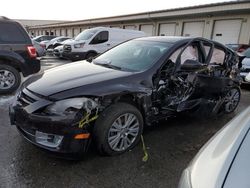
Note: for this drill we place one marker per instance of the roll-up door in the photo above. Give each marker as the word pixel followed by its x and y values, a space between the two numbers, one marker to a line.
pixel 193 29
pixel 227 31
pixel 167 29
pixel 147 28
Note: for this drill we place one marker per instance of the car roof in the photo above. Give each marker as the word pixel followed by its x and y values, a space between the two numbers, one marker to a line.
pixel 171 39
pixel 5 19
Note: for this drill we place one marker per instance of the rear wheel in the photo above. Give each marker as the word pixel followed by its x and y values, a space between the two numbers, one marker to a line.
pixel 9 79
pixel 118 129
pixel 232 100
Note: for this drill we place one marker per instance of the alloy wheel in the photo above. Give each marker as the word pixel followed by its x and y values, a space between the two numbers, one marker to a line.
pixel 232 100
pixel 7 79
pixel 123 132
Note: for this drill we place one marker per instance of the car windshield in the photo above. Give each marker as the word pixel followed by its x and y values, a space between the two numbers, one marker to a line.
pixel 86 34
pixel 247 53
pixel 134 56
pixel 36 37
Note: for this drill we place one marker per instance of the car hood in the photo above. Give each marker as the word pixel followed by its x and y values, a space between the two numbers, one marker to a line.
pixel 82 74
pixel 72 42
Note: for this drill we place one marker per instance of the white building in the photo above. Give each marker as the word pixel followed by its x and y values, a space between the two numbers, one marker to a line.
pixel 227 22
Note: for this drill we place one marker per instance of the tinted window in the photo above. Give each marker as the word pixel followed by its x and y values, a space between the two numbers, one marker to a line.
pixel 48 37
pixel 10 33
pixel 101 37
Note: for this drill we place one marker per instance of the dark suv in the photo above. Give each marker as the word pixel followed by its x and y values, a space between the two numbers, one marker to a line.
pixel 17 55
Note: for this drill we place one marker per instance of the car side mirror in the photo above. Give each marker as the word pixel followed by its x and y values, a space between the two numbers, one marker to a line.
pixel 191 65
pixel 247 78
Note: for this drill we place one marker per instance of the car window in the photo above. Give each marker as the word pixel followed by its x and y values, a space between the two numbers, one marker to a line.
pixel 61 39
pixel 218 56
pixel 190 52
pixel 38 39
pixel 101 37
pixel 134 55
pixel 43 38
pixel 10 33
pixel 49 37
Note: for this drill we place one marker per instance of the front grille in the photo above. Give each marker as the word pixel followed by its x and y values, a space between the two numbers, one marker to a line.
pixel 67 48
pixel 25 99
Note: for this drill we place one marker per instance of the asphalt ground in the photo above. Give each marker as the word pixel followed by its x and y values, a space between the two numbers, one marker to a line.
pixel 170 145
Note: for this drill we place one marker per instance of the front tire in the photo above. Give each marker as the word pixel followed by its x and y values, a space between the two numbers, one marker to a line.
pixel 118 129
pixel 10 79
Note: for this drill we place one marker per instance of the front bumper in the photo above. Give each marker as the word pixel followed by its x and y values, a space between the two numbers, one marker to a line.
pixel 29 124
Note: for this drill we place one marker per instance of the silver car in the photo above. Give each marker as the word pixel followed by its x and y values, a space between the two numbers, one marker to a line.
pixel 224 160
pixel 40 49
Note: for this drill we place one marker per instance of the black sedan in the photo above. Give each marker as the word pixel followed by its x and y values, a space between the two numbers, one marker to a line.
pixel 111 98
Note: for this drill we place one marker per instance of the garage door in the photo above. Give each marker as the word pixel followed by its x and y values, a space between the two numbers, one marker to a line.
pixel 57 32
pixel 148 29
pixel 167 29
pixel 76 31
pixel 131 27
pixel 227 31
pixel 63 32
pixel 70 32
pixel 193 29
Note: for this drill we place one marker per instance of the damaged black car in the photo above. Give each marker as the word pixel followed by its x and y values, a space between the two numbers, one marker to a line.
pixel 111 98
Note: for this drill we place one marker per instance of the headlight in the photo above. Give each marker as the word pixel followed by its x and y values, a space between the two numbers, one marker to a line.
pixel 70 106
pixel 80 45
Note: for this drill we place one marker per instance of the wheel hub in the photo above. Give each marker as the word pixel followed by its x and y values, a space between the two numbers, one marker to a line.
pixel 7 79
pixel 232 100
pixel 123 132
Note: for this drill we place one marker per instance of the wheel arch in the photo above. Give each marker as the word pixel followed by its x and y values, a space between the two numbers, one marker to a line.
pixel 133 100
pixel 91 51
pixel 11 62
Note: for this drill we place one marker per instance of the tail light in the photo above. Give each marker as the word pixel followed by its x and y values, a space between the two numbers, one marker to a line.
pixel 31 51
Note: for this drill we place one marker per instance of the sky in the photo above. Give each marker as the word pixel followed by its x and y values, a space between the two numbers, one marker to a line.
pixel 85 9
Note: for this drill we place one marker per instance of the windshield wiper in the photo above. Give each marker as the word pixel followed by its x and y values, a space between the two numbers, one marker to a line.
pixel 106 64
pixel 110 66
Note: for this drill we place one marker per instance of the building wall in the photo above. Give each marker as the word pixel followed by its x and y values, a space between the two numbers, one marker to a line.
pixel 29 23
pixel 179 24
